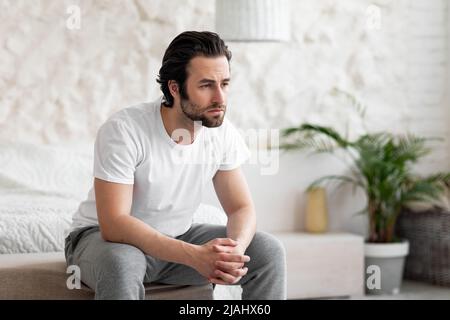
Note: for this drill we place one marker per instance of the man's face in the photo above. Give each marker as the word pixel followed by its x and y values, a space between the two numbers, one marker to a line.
pixel 206 89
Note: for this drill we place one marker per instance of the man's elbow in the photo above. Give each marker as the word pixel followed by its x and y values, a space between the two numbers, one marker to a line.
pixel 105 235
pixel 110 231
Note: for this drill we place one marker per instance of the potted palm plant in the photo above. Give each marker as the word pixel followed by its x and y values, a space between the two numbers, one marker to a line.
pixel 380 164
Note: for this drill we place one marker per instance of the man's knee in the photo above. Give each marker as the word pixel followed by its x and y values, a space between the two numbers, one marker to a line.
pixel 123 265
pixel 119 275
pixel 269 249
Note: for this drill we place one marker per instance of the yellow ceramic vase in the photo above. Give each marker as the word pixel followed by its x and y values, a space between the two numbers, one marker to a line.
pixel 316 219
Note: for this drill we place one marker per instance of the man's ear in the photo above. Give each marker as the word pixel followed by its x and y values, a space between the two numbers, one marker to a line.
pixel 173 88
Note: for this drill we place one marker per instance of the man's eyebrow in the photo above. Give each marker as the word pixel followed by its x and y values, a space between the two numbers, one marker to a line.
pixel 213 81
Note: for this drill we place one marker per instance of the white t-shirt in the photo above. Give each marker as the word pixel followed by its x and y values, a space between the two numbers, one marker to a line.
pixel 133 147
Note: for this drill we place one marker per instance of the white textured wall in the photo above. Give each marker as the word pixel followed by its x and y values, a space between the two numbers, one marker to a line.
pixel 58 85
pixel 427 83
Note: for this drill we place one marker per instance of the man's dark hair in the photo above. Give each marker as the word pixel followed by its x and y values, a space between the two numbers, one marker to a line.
pixel 181 50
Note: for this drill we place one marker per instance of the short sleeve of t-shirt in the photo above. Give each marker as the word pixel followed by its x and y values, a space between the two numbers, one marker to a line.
pixel 115 152
pixel 236 151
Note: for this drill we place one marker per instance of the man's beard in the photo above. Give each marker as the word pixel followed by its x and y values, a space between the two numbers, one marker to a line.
pixel 195 113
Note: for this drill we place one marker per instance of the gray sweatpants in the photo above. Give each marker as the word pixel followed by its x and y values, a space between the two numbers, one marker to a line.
pixel 119 271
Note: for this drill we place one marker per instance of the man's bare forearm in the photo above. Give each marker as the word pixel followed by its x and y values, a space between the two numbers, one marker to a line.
pixel 241 226
pixel 130 230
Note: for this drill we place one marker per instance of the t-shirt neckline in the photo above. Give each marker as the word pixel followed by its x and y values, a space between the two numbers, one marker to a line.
pixel 166 136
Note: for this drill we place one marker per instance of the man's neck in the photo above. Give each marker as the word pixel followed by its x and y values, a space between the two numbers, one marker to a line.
pixel 173 118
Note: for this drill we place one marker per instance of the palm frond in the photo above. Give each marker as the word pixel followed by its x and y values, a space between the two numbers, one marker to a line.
pixel 318 182
pixel 359 107
pixel 426 189
pixel 421 190
pixel 410 148
pixel 315 144
pixel 440 178
pixel 308 131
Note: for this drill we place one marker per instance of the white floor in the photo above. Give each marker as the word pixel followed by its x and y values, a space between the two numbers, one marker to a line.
pixel 412 290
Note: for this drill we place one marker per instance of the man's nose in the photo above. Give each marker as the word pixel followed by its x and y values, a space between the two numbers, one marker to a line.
pixel 219 96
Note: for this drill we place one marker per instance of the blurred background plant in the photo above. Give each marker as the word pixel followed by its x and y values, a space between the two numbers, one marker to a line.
pixel 380 163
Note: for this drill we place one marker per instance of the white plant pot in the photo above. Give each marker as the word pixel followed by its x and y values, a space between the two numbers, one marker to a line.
pixel 384 266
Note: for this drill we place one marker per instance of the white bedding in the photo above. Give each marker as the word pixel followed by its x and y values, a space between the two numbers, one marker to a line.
pixel 33 222
pixel 40 189
pixel 36 222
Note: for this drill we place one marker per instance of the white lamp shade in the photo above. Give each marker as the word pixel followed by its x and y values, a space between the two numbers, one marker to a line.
pixel 253 20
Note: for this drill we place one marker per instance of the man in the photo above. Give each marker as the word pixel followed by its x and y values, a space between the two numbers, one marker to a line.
pixel 151 165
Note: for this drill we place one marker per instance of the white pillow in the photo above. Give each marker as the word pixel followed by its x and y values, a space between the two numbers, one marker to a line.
pixel 46 169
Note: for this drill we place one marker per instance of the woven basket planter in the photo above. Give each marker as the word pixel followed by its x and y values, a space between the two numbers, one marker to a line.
pixel 428 233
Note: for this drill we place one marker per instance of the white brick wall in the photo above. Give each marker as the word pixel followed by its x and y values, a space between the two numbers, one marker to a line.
pixel 427 86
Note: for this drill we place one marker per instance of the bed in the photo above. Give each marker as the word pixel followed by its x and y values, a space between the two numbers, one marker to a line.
pixel 41 186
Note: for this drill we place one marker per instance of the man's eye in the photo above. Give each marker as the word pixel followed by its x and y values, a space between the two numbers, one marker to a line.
pixel 226 84
pixel 205 86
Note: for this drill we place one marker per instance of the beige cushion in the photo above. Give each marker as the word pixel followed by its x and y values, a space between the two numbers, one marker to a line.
pixel 43 276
